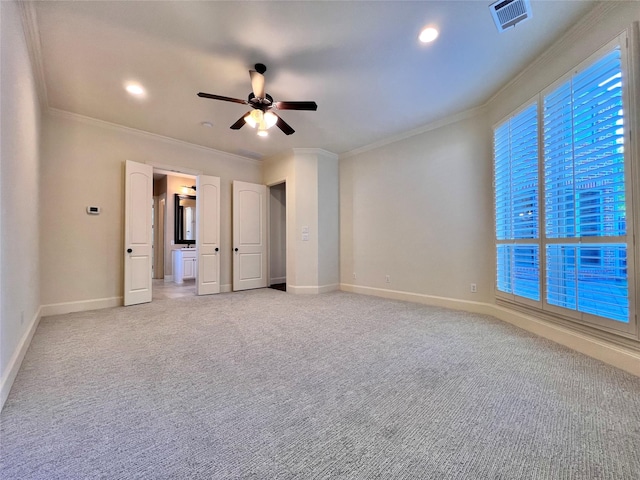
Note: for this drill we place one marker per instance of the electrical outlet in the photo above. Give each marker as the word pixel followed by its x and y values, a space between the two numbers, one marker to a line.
pixel 354 275
pixel 474 288
pixel 387 279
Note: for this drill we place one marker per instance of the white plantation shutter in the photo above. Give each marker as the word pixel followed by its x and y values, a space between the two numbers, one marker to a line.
pixel 578 265
pixel 502 179
pixel 584 186
pixel 516 200
pixel 584 153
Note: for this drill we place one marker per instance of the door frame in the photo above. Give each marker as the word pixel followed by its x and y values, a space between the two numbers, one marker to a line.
pixel 165 170
pixel 287 221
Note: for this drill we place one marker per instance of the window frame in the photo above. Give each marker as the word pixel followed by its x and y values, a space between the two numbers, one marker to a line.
pixel 631 154
pixel 512 297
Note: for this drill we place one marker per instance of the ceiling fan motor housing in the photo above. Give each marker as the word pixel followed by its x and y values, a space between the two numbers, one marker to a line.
pixel 261 103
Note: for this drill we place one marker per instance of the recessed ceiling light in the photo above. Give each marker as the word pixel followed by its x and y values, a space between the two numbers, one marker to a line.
pixel 135 89
pixel 206 124
pixel 428 34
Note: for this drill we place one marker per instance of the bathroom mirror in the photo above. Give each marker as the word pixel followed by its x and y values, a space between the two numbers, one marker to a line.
pixel 185 219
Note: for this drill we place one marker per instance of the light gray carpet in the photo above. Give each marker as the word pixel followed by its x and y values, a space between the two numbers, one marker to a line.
pixel 268 385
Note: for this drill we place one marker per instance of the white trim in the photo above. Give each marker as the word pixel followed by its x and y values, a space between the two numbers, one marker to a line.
pixel 9 375
pixel 457 117
pixel 34 47
pixel 453 303
pixel 80 306
pixel 618 356
pixel 332 287
pixel 633 59
pixel 226 288
pixel 168 278
pixel 312 289
pixel 174 171
pixel 315 151
pixel 142 133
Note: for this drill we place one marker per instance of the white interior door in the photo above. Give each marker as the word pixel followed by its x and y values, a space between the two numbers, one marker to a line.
pixel 249 236
pixel 138 233
pixel 208 234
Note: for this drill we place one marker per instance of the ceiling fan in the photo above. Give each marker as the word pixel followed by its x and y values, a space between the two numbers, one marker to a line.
pixel 262 104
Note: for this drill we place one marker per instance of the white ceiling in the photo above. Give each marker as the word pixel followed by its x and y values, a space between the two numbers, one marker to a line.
pixel 359 60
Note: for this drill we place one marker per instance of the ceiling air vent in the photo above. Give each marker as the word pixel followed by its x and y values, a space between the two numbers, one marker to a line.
pixel 506 13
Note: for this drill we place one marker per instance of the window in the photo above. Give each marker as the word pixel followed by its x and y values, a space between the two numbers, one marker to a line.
pixel 579 259
pixel 516 197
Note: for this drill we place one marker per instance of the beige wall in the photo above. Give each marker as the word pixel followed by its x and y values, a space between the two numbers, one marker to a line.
pixel 420 211
pixel 328 204
pixel 312 199
pixel 83 164
pixel 19 172
pixel 306 199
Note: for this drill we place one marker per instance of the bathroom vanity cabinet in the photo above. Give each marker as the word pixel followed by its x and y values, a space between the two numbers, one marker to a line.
pixel 185 264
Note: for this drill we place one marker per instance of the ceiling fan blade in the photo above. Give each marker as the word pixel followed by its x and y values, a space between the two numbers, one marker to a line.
pixel 257 83
pixel 284 126
pixel 296 106
pixel 240 123
pixel 220 97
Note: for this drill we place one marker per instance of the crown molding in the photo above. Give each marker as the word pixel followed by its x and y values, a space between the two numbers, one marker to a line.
pixel 148 135
pixel 315 151
pixel 472 112
pixel 34 47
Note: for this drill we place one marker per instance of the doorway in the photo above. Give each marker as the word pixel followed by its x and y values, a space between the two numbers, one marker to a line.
pixel 145 186
pixel 278 236
pixel 165 185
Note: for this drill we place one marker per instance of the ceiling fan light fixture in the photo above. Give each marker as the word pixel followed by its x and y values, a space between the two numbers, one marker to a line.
pixel 270 119
pixel 250 121
pixel 262 132
pixel 256 117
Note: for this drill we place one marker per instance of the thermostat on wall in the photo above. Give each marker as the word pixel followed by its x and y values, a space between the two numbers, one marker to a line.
pixel 93 210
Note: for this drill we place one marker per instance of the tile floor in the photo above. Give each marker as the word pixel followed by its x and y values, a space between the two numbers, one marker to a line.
pixel 162 289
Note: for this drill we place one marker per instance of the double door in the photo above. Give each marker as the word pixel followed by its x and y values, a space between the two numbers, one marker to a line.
pixel 249 234
pixel 138 234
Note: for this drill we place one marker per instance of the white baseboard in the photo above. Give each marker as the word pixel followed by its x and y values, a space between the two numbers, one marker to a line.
pixel 226 288
pixel 81 306
pixel 453 303
pixel 297 289
pixel 168 278
pixel 9 375
pixel 616 355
